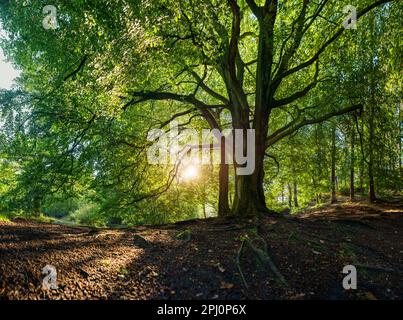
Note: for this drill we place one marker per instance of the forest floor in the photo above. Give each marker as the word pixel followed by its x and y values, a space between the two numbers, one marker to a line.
pixel 197 259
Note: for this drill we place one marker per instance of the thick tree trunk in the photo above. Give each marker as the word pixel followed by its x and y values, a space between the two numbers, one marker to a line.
pixel 352 189
pixel 249 194
pixel 249 198
pixel 333 177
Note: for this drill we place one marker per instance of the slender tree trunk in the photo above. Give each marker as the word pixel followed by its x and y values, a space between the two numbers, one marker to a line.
pixel 230 197
pixel 289 196
pixel 36 206
pixel 372 196
pixel 352 162
pixel 333 177
pixel 400 154
pixel 223 176
pixel 371 182
pixel 295 195
pixel 223 205
pixel 362 168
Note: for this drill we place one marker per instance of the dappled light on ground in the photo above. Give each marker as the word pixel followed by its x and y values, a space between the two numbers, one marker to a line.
pixel 178 261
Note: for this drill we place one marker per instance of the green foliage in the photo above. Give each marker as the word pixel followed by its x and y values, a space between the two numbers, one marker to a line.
pixel 4 217
pixel 73 139
pixel 61 208
pixel 89 215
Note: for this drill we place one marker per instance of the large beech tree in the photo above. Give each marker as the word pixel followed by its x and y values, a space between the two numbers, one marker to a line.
pixel 274 62
pixel 247 62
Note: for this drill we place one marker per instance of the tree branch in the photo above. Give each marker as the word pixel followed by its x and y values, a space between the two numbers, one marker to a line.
pixel 235 34
pixel 299 94
pixel 298 27
pixel 296 125
pixel 156 95
pixel 315 57
pixel 77 70
pixel 177 115
pixel 257 11
pixel 208 89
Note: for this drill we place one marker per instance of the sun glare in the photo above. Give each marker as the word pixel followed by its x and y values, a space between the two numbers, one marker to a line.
pixel 190 172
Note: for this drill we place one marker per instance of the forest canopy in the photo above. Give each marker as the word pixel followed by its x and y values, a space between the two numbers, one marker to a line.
pixel 319 84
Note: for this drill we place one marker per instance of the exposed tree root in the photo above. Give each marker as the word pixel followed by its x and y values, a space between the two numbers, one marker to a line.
pixel 263 257
pixel 184 235
pixel 238 264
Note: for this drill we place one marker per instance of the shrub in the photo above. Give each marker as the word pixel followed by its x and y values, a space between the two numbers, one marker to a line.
pixel 88 214
pixel 4 217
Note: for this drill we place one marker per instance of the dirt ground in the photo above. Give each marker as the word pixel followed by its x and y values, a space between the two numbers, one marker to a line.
pixel 309 250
